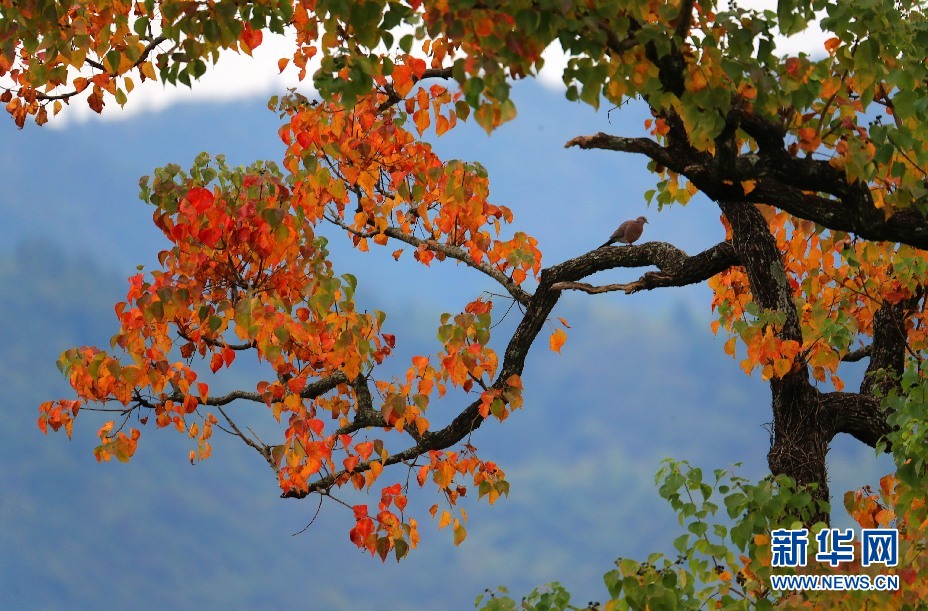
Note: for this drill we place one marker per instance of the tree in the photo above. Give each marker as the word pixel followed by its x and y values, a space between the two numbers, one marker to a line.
pixel 816 164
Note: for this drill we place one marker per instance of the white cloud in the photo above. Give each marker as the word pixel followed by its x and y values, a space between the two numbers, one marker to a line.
pixel 234 76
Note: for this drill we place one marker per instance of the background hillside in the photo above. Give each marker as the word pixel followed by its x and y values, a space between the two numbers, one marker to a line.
pixel 640 378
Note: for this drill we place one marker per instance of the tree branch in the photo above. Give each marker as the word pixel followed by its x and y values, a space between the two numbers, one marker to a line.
pixel 642 146
pixel 677 268
pixel 94 64
pixel 393 98
pixel 890 342
pixel 856 414
pixel 454 252
pixel 856 355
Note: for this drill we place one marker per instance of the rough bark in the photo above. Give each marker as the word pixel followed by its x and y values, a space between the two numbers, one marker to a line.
pixel 800 427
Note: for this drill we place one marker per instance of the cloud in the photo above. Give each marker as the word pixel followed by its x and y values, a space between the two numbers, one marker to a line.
pixel 235 76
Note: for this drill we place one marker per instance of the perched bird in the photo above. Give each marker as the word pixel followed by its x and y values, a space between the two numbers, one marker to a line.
pixel 628 232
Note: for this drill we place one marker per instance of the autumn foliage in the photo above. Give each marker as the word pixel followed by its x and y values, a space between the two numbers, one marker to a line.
pixel 815 162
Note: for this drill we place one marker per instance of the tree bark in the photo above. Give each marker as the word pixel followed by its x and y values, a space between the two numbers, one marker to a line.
pixel 801 430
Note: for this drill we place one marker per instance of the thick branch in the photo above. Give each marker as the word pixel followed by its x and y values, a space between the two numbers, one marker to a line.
pixel 537 310
pixel 856 355
pixel 856 414
pixel 792 184
pixel 676 267
pixel 890 342
pixel 642 146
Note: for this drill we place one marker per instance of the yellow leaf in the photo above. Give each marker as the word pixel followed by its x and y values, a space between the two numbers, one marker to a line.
pixel 748 185
pixel 147 70
pixel 459 533
pixel 444 520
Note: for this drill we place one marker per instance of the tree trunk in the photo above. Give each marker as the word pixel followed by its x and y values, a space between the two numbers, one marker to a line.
pixel 801 433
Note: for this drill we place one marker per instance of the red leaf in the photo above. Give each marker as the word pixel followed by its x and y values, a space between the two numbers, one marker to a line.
pixel 316 425
pixel 216 362
pixel 251 38
pixel 201 198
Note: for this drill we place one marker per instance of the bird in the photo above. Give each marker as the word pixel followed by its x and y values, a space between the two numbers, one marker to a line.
pixel 628 232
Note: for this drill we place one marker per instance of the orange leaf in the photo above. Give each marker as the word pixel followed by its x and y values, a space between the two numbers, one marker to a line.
pixel 557 340
pixel 364 449
pixel 730 346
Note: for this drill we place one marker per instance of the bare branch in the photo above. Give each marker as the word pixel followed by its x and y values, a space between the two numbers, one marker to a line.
pixel 677 268
pixel 455 252
pixel 262 449
pixel 642 146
